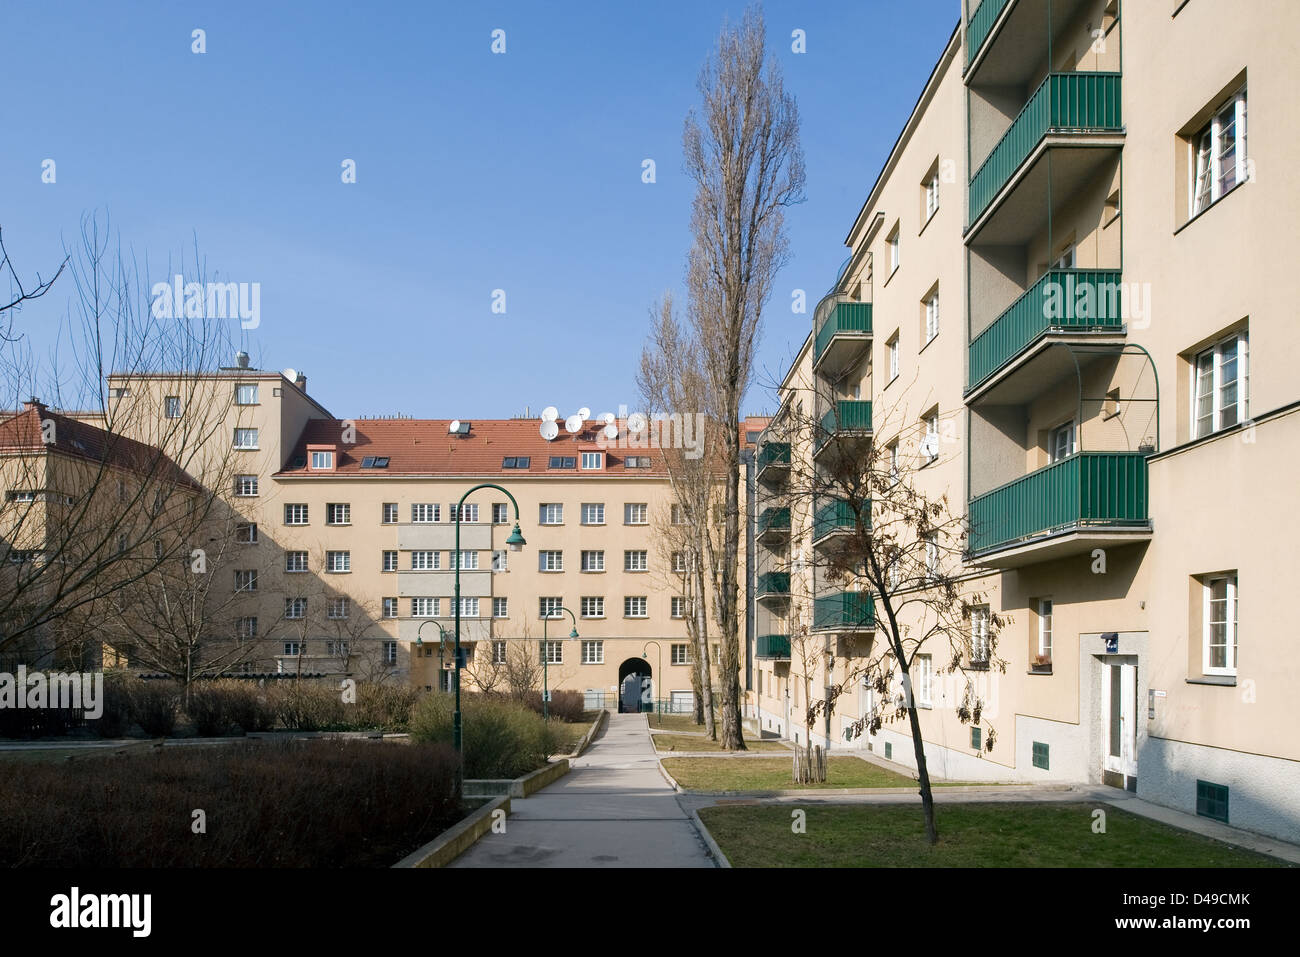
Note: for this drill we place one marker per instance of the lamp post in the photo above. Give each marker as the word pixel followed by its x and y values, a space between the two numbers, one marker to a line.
pixel 516 542
pixel 442 639
pixel 659 718
pixel 546 656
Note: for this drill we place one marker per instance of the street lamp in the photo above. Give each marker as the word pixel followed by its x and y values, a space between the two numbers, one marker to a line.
pixel 659 718
pixel 546 657
pixel 516 542
pixel 442 641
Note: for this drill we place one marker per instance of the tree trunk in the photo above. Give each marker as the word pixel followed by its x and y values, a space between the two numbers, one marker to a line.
pixel 918 748
pixel 702 648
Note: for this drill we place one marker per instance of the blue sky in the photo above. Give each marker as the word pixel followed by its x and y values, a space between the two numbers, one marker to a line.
pixel 475 172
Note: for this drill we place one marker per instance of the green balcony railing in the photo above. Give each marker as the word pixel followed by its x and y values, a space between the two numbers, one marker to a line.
pixel 847 415
pixel 774 520
pixel 1088 489
pixel 852 317
pixel 1064 102
pixel 1062 299
pixel 844 610
pixel 835 515
pixel 981 24
pixel 772 646
pixel 773 453
pixel 773 583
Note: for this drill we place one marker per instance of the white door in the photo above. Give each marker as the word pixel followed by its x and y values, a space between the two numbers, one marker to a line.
pixel 1119 716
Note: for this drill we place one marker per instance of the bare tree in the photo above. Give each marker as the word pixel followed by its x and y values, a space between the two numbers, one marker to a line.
pixel 742 151
pixel 18 292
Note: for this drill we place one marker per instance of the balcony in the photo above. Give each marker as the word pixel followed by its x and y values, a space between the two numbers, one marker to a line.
pixel 773 647
pixel 772 585
pixel 981 25
pixel 1067 109
pixel 844 611
pixel 1089 500
pixel 774 526
pixel 834 521
pixel 773 461
pixel 844 426
pixel 1007 41
pixel 1063 302
pixel 842 339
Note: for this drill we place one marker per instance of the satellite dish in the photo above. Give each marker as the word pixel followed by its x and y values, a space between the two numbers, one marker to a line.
pixel 609 418
pixel 550 413
pixel 611 431
pixel 636 422
pixel 454 427
pixel 290 373
pixel 549 429
pixel 573 424
pixel 585 413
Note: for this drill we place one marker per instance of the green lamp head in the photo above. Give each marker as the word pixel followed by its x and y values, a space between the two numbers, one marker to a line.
pixel 516 540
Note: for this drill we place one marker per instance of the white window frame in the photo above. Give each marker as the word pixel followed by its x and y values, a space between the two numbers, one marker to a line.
pixel 597 559
pixel 932 195
pixel 630 605
pixel 980 647
pixel 593 513
pixel 246 579
pixel 246 486
pixel 550 560
pixel 500 513
pixel 593 651
pixel 1231 628
pixel 500 607
pixel 1213 378
pixel 636 560
pixel 932 436
pixel 245 434
pixel 390 652
pixel 246 393
pixel 338 562
pixel 468 607
pixel 339 609
pixel 550 513
pixel 894 247
pixel 679 654
pixel 172 407
pixel 1207 175
pixel 425 606
pixel 591 606
pixel 295 609
pixel 388 560
pixel 1045 609
pixel 549 606
pixel 388 607
pixel 932 316
pixel 552 652
pixel 298 509
pixel 498 652
pixel 426 560
pixel 246 627
pixel 1056 450
pixel 677 607
pixel 923 681
pixel 500 560
pixel 388 514
pixel 322 460
pixel 592 460
pixel 891 348
pixel 468 513
pixel 425 513
pixel 336 510
pixel 468 560
pixel 296 562
pixel 636 513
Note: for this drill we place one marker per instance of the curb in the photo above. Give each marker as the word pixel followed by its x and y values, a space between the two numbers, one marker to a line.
pixel 515 787
pixel 591 733
pixel 719 859
pixel 457 839
pixel 833 792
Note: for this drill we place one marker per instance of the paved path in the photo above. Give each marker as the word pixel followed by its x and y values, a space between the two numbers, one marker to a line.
pixel 613 809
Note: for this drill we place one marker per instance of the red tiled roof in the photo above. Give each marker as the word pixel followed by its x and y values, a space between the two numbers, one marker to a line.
pixel 424 447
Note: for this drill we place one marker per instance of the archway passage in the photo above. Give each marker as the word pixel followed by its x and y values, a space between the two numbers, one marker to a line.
pixel 635 686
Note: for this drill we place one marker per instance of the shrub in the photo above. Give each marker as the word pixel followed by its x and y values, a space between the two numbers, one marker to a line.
pixel 306 706
pixel 229 707
pixel 501 739
pixel 384 707
pixel 153 706
pixel 115 719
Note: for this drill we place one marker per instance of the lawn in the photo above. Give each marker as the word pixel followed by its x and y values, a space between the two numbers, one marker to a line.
pixel 970 835
pixel 674 722
pixel 571 732
pixel 773 774
pixel 686 742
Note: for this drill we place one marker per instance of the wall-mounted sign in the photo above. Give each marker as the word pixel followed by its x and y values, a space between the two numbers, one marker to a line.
pixel 1112 642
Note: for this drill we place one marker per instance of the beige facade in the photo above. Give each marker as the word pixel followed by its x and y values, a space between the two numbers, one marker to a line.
pixel 1106 248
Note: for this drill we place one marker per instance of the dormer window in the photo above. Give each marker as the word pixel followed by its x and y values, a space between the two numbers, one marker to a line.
pixel 593 460
pixel 321 458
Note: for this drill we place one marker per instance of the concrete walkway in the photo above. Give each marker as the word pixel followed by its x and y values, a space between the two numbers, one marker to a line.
pixel 613 809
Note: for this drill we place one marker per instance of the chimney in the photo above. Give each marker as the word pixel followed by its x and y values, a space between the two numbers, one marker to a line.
pixel 34 403
pixel 301 382
pixel 241 360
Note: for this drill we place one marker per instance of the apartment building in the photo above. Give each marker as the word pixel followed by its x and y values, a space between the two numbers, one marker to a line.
pixel 1077 187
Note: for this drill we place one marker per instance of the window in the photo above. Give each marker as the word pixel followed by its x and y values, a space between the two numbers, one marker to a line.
pixel 468 514
pixel 338 514
pixel 245 486
pixel 681 654
pixel 552 514
pixel 498 652
pixel 932 195
pixel 338 562
pixel 593 652
pixel 246 627
pixel 295 515
pixel 550 561
pixel 469 608
pixel 295 648
pixel 1061 442
pixel 635 561
pixel 932 555
pixel 1212 800
pixel 1221 395
pixel 931 447
pixel 892 347
pixel 336 649
pixel 636 513
pixel 389 561
pixel 516 462
pixel 894 472
pixel 892 243
pixel 426 561
pixel 923 682
pixel 593 561
pixel 123 494
pixel 246 579
pixel 979 635
pixel 1220 617
pixel 680 514
pixel 500 559
pixel 1045 629
pixel 295 561
pixel 500 514
pixel 592 460
pixel 390 652
pixel 500 608
pixel 1041 755
pixel 551 652
pixel 423 513
pixel 976 738
pixel 21 496
pixel 246 394
pixel 678 607
pixel 388 514
pixel 245 438
pixel 634 606
pixel 593 513
pixel 172 407
pixel 637 462
pixel 374 461
pixel 340 608
pixel 593 608
pixel 563 462
pixel 425 607
pixel 679 563
pixel 1066 260
pixel 1219 154
pixel 932 316
pixel 389 606
pixel 295 608
pixel 322 460
pixel 468 560
pixel 549 608
pixel 246 533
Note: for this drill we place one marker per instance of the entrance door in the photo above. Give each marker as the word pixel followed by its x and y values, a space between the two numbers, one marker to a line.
pixel 1119 722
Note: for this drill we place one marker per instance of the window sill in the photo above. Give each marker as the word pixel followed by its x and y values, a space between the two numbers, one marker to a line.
pixel 1039 670
pixel 892 273
pixel 928 220
pixel 1225 681
pixel 338 524
pixel 592 571
pixel 926 344
pixel 1193 218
